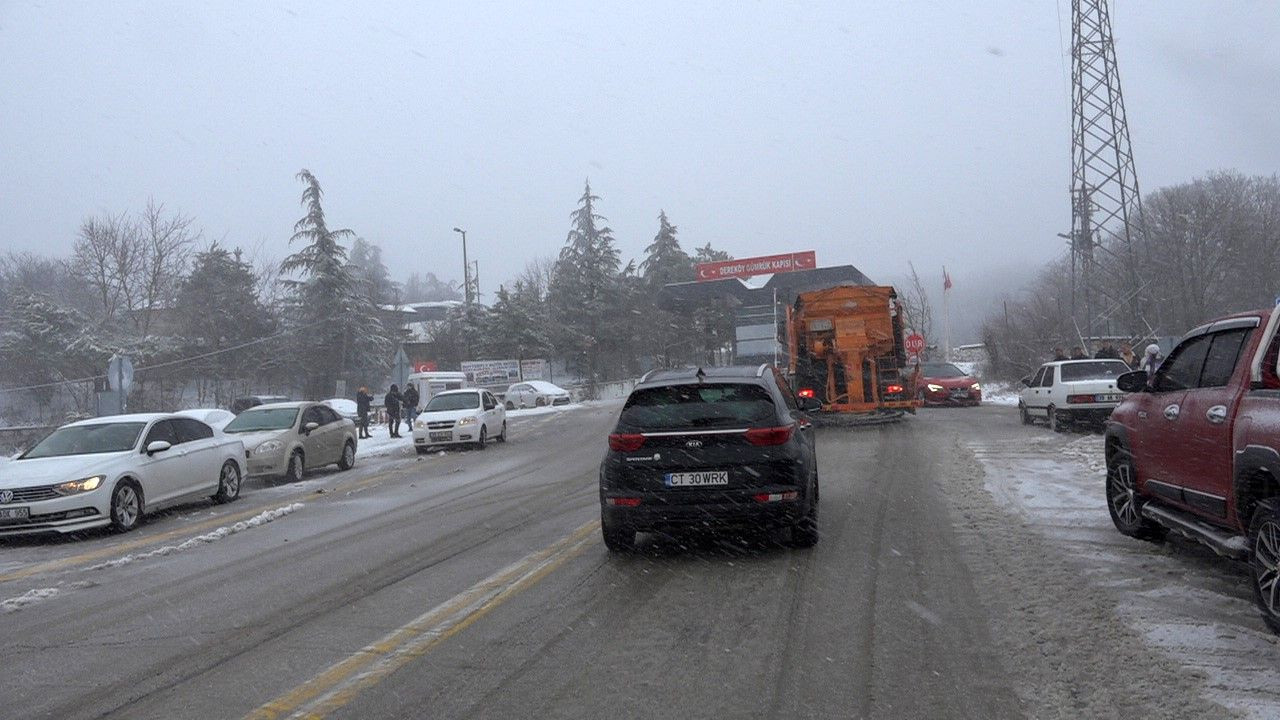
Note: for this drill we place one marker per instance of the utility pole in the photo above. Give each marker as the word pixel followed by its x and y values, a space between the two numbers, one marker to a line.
pixel 1104 181
pixel 466 268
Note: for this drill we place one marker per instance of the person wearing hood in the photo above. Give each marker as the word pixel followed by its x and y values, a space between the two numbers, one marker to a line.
pixel 1151 360
pixel 363 401
pixel 392 402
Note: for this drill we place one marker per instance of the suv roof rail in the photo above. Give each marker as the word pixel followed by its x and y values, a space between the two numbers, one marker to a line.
pixel 760 370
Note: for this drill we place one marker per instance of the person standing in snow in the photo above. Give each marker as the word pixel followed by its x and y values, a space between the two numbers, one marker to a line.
pixel 410 399
pixel 1077 353
pixel 1058 354
pixel 392 402
pixel 1151 360
pixel 1107 352
pixel 1126 354
pixel 363 401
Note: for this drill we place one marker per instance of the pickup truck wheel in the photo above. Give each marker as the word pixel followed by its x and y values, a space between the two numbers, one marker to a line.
pixel 1264 562
pixel 1123 501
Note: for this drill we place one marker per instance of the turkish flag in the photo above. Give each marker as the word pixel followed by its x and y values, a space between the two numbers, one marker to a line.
pixel 946 279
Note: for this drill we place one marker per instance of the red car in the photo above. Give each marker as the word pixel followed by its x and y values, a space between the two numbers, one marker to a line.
pixel 945 384
pixel 1196 448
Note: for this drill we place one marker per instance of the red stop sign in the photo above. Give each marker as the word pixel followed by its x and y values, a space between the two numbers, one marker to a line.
pixel 915 343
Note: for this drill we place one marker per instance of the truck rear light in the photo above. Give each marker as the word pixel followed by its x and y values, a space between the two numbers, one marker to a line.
pixel 625 442
pixel 894 389
pixel 770 436
pixel 1079 399
pixel 807 392
pixel 622 501
pixel 775 497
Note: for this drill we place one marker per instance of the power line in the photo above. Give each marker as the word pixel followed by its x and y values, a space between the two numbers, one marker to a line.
pixel 168 363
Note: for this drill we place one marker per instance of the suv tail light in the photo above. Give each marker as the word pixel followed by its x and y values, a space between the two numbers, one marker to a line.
pixel 625 442
pixel 770 436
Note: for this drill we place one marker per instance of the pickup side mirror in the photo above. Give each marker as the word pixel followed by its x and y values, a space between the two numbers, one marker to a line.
pixel 157 446
pixel 1135 381
pixel 810 404
pixel 306 429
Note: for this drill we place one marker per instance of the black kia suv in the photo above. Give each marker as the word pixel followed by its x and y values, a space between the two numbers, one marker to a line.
pixel 711 447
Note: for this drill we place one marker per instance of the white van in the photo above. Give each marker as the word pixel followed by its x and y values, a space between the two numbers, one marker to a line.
pixel 430 384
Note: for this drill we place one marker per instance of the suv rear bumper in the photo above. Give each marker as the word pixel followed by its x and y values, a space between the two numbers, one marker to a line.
pixel 739 509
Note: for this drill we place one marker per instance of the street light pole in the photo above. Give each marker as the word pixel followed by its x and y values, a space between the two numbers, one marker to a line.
pixel 466 267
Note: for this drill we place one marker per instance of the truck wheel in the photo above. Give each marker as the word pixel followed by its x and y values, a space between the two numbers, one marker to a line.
pixel 1123 501
pixel 1264 561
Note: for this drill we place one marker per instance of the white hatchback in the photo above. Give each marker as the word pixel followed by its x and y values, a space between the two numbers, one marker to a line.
pixel 1069 391
pixel 460 417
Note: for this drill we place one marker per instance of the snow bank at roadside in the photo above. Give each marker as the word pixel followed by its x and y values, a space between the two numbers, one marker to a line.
pixel 30 597
pixel 258 520
pixel 530 412
pixel 1192 606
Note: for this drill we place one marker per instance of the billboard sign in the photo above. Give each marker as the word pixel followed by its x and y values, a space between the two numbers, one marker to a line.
pixel 493 373
pixel 766 265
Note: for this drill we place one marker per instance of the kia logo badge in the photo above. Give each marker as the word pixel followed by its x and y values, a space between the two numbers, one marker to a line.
pixel 6 497
pixel 693 443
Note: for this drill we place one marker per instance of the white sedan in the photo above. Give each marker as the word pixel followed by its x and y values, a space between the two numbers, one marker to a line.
pixel 113 470
pixel 460 417
pixel 1071 391
pixel 535 393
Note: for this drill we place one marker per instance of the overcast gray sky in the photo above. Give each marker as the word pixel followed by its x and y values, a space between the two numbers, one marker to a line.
pixel 874 133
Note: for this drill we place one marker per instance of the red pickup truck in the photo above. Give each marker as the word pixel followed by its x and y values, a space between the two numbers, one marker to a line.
pixel 1196 448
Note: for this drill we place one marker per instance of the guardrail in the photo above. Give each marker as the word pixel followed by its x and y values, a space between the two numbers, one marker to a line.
pixel 613 390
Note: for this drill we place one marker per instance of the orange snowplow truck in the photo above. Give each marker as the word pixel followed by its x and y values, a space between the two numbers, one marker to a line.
pixel 847 351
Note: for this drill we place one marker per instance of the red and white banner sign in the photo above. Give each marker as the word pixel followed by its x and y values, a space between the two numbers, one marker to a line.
pixel 766 265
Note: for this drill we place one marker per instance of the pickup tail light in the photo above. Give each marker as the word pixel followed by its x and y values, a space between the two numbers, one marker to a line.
pixel 626 442
pixel 770 436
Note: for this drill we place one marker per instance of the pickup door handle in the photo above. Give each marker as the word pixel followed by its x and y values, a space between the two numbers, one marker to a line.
pixel 1217 414
pixel 1171 412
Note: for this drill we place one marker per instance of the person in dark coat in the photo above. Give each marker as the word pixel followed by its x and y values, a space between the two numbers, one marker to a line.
pixel 392 402
pixel 1077 353
pixel 363 401
pixel 1107 352
pixel 410 400
pixel 1058 354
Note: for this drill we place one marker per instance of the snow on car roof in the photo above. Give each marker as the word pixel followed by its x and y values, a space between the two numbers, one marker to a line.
pixel 133 417
pixel 459 392
pixel 545 386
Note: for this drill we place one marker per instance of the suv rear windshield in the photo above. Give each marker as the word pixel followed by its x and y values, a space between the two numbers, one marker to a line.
pixel 679 407
pixel 1104 370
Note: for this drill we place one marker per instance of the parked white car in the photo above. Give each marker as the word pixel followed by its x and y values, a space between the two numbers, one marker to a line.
pixel 535 393
pixel 458 417
pixel 1069 391
pixel 287 439
pixel 113 470
pixel 216 418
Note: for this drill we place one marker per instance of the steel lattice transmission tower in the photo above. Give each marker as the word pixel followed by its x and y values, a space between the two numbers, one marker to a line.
pixel 1105 204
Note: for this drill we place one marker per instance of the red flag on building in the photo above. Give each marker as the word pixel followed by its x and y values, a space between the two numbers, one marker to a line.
pixel 946 279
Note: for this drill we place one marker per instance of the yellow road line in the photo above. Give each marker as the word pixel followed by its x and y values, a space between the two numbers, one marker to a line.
pixel 90 556
pixel 341 682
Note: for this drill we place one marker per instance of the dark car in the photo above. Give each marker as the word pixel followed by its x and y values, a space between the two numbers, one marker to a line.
pixel 942 383
pixel 721 446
